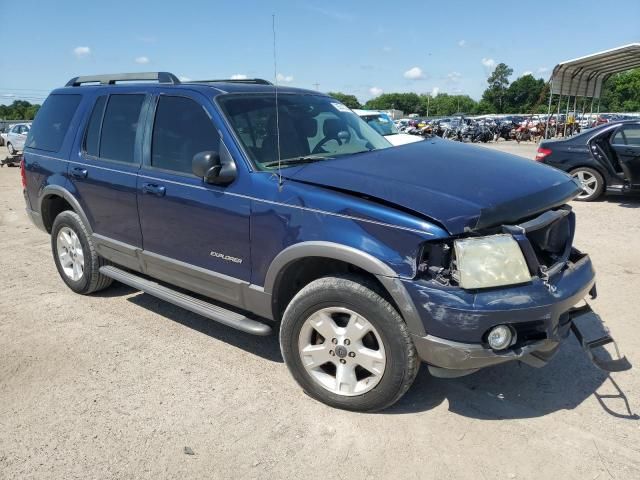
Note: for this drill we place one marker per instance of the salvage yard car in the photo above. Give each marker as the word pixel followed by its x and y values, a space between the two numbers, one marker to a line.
pixel 605 159
pixel 255 205
pixel 382 123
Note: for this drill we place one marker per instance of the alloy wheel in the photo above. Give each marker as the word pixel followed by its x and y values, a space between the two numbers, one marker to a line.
pixel 70 254
pixel 342 351
pixel 589 183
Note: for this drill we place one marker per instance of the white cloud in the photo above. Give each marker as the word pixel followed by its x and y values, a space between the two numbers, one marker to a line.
pixel 414 73
pixel 543 70
pixel 462 43
pixel 8 95
pixel 435 91
pixel 81 52
pixel 454 76
pixel 527 72
pixel 182 78
pixel 488 62
pixel 142 60
pixel 375 91
pixel 238 76
pixel 284 78
pixel 386 49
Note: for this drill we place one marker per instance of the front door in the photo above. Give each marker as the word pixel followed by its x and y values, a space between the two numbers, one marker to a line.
pixel 195 235
pixel 626 143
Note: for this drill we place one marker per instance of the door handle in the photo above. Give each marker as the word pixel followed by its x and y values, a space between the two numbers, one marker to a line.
pixel 154 189
pixel 79 172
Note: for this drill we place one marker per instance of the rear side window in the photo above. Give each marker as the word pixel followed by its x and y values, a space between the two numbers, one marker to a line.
pixel 92 140
pixel 181 129
pixel 119 127
pixel 52 122
pixel 627 135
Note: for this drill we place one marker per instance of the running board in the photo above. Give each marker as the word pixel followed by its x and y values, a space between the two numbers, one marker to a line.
pixel 206 309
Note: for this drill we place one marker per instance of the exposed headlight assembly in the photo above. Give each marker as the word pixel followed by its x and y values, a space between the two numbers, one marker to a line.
pixel 491 261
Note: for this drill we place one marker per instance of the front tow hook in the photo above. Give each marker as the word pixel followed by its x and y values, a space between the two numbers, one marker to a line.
pixel 619 364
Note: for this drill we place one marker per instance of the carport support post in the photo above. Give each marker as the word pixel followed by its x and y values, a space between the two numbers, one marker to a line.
pixel 558 115
pixel 546 127
pixel 566 117
pixel 575 115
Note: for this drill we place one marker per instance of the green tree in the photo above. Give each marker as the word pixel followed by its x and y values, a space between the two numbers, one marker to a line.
pixel 621 92
pixel 524 95
pixel 349 100
pixel 18 110
pixel 498 82
pixel 445 104
pixel 407 102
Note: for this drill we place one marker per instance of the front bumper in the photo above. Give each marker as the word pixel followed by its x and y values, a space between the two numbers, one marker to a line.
pixel 457 320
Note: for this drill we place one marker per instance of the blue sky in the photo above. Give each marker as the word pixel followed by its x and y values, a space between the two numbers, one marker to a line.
pixel 359 47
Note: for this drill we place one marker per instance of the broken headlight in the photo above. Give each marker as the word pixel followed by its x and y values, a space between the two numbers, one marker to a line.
pixel 492 261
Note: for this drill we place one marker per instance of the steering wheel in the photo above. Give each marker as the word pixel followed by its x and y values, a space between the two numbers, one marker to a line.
pixel 342 137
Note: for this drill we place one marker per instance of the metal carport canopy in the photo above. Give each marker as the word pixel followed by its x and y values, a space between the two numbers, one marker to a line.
pixel 584 76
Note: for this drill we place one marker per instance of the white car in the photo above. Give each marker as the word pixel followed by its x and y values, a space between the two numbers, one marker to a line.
pixel 382 123
pixel 16 137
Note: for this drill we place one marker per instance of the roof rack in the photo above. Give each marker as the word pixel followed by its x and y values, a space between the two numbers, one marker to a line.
pixel 111 79
pixel 257 81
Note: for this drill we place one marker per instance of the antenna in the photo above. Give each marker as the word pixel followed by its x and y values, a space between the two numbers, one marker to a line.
pixel 275 86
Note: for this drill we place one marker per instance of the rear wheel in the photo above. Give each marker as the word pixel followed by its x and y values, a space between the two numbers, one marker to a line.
pixel 591 181
pixel 75 255
pixel 346 346
pixel 12 151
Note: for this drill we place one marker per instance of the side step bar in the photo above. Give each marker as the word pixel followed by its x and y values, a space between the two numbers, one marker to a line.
pixel 206 309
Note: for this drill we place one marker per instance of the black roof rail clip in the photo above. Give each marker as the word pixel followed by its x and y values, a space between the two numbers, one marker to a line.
pixel 113 78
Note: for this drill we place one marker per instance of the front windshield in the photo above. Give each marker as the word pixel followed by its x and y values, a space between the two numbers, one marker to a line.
pixel 312 127
pixel 381 123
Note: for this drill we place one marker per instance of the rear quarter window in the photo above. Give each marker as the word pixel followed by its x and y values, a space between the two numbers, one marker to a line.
pixel 52 122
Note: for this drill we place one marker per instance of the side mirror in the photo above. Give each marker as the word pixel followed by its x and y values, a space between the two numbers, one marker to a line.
pixel 212 169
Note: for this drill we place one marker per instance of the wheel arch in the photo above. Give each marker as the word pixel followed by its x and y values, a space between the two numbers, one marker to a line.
pixel 331 256
pixel 55 199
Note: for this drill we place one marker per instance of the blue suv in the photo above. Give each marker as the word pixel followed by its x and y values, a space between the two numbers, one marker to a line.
pixel 263 207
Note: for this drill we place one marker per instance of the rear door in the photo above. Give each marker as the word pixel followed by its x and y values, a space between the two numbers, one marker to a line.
pixel 196 235
pixel 626 143
pixel 104 174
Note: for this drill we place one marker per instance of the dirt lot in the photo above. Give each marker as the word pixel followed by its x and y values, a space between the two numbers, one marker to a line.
pixel 116 385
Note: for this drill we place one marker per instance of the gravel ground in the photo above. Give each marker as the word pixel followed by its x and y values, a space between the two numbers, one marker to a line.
pixel 121 385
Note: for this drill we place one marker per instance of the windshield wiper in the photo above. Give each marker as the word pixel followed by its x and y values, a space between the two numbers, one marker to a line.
pixel 297 160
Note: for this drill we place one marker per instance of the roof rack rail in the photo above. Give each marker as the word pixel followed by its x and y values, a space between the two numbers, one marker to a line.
pixel 257 81
pixel 111 79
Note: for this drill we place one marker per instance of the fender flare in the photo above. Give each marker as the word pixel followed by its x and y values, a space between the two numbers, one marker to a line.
pixel 367 262
pixel 68 196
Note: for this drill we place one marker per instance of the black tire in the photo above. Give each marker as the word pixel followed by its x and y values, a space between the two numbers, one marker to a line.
pixel 360 296
pixel 12 151
pixel 91 280
pixel 600 185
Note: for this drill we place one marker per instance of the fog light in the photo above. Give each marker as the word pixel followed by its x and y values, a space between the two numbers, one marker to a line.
pixel 500 337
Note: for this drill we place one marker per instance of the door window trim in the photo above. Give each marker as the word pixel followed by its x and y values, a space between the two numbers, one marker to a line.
pixel 148 137
pixel 142 119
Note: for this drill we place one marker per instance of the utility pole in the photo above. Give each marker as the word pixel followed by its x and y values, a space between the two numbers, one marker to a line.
pixel 316 85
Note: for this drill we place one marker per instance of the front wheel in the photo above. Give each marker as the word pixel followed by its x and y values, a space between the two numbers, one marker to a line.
pixel 591 181
pixel 347 346
pixel 12 151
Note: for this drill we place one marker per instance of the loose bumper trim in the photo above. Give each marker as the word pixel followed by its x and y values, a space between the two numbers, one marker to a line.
pixel 444 356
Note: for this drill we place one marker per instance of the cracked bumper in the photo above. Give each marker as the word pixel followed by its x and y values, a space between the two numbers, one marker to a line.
pixel 456 321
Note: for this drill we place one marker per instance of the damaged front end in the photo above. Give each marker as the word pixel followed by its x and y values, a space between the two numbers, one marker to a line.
pixel 505 293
